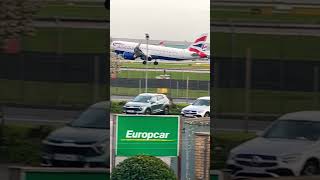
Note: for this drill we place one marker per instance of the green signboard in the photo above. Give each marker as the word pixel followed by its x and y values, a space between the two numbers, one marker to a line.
pixel 147 135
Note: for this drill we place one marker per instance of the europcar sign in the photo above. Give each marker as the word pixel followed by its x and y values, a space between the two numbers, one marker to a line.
pixel 147 135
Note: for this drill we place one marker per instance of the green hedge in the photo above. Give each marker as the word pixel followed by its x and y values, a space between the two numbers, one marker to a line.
pixel 22 143
pixel 142 168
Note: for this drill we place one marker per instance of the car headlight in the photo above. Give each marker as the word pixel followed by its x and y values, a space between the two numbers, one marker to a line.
pixel 231 156
pixel 101 147
pixel 291 158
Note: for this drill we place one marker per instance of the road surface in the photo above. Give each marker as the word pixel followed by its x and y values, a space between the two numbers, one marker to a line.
pixel 168 70
pixel 60 117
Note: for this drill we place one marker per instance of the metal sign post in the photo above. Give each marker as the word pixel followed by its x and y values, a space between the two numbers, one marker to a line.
pixel 147 58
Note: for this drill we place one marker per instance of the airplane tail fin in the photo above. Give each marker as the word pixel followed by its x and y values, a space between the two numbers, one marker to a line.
pixel 205 47
pixel 161 43
pixel 198 45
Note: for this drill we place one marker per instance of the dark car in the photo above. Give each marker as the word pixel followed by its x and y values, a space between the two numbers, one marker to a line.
pixel 84 142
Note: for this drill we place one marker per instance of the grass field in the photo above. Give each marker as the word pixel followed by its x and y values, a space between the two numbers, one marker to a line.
pixel 174 93
pixel 246 16
pixel 76 9
pixel 173 75
pixel 97 11
pixel 51 94
pixel 67 40
pixel 266 46
pixel 264 101
pixel 164 65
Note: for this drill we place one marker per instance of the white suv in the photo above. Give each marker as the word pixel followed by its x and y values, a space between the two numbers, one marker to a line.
pixel 199 108
pixel 289 147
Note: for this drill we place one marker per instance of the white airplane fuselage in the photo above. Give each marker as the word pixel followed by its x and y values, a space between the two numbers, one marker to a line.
pixel 126 50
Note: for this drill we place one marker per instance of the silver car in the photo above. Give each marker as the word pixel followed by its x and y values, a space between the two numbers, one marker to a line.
pixel 148 103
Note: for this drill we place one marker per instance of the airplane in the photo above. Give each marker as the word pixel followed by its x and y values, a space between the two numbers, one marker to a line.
pixel 133 50
pixel 206 51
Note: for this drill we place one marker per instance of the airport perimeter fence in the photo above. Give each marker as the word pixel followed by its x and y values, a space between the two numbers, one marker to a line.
pixel 264 88
pixel 268 74
pixel 43 79
pixel 173 88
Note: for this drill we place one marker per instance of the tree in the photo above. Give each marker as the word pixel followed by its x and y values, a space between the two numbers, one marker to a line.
pixel 16 19
pixel 114 66
pixel 142 168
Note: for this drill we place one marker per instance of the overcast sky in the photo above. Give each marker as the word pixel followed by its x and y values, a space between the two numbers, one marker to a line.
pixel 175 20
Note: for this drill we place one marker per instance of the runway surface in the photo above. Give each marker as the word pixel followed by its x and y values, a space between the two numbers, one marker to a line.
pixel 167 70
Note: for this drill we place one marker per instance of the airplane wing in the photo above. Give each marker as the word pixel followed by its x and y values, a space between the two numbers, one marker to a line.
pixel 138 52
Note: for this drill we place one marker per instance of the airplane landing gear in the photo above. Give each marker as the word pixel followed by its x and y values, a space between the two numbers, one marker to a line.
pixel 144 62
pixel 155 63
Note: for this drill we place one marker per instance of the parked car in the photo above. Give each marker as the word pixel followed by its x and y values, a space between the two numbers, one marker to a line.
pixel 84 142
pixel 199 108
pixel 289 147
pixel 148 103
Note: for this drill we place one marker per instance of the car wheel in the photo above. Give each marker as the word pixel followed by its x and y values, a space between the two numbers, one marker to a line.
pixel 147 112
pixel 310 168
pixel 207 114
pixel 166 110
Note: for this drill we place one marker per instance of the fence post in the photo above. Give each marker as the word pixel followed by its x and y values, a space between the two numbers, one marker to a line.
pixel 315 85
pixel 2 125
pixel 177 95
pixel 96 79
pixel 187 94
pixel 247 88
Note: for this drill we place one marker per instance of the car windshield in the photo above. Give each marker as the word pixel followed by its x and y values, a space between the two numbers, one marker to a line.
pixel 92 118
pixel 293 129
pixel 201 102
pixel 143 99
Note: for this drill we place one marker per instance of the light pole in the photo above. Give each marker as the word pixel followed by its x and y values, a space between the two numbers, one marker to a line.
pixel 147 38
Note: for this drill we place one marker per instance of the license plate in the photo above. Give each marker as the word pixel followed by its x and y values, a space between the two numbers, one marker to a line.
pixel 130 111
pixel 188 115
pixel 66 157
